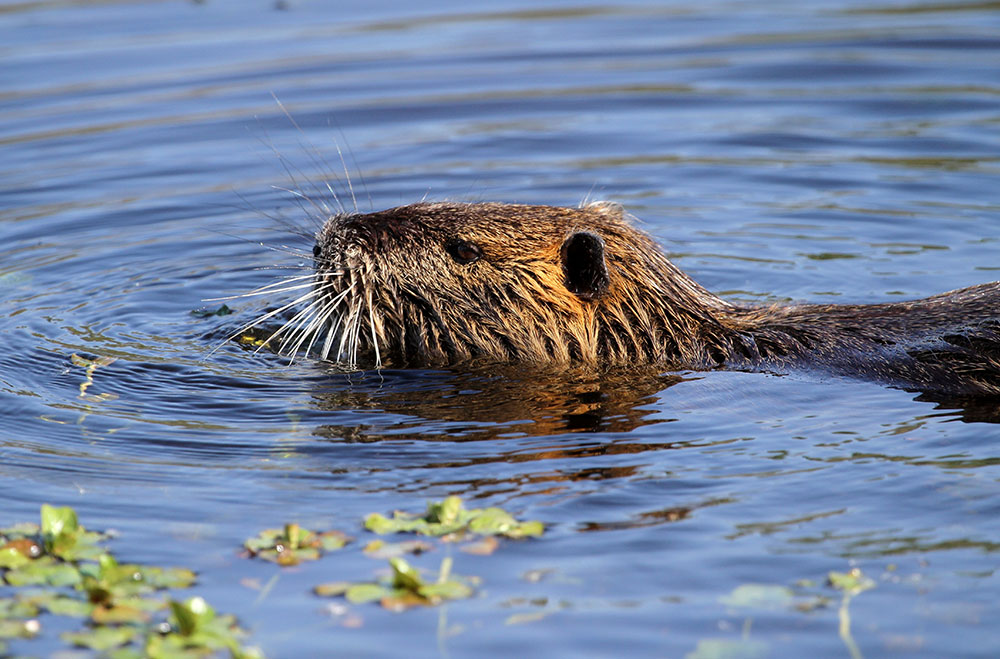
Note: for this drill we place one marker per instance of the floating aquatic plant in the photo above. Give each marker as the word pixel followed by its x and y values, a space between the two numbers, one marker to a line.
pixel 451 517
pixel 60 568
pixel 404 588
pixel 293 544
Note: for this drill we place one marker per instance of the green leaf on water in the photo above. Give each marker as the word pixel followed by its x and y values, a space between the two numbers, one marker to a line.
pixel 852 582
pixel 448 511
pixel 198 631
pixel 167 577
pixel 63 537
pixel 58 521
pixel 44 571
pixel 404 575
pixel 16 607
pixel 11 557
pixel 759 596
pixel 19 628
pixel 101 638
pixel 717 648
pixel 496 521
pixel 188 616
pixel 332 540
pixel 63 605
pixel 377 523
pixel 360 593
pixel 449 590
pixel 332 588
pixel 404 589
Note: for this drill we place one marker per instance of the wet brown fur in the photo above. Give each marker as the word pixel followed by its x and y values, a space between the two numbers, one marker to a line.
pixel 526 300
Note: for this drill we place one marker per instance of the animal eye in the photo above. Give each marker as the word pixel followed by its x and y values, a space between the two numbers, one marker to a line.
pixel 463 251
pixel 317 250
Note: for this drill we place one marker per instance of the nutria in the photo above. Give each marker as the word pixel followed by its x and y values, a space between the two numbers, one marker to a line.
pixel 442 283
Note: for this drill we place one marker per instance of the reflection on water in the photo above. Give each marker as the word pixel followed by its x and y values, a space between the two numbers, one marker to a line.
pixel 971 409
pixel 503 401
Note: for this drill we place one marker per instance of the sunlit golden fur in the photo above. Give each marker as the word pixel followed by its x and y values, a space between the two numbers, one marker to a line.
pixel 443 283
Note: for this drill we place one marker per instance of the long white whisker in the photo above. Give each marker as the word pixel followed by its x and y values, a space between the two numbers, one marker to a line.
pixel 291 170
pixel 261 319
pixel 357 339
pixel 354 162
pixel 264 290
pixel 346 332
pixel 313 152
pixel 347 175
pixel 306 325
pixel 352 342
pixel 322 313
pixel 371 319
pixel 293 326
pixel 331 335
pixel 322 210
pixel 322 319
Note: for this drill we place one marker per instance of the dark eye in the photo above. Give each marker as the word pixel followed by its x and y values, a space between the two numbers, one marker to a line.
pixel 317 250
pixel 463 251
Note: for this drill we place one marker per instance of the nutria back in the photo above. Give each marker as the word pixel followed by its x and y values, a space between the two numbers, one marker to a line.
pixel 443 283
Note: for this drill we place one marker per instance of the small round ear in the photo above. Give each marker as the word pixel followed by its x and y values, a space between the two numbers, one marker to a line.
pixel 583 264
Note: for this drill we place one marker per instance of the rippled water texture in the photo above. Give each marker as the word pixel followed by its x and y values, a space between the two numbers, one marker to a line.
pixel 822 151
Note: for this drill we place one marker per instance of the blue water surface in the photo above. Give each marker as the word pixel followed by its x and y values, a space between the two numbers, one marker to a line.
pixel 807 151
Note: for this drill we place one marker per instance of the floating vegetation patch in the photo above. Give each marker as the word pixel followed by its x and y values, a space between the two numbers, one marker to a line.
pixel 293 544
pixel 450 518
pixel 804 598
pixel 404 588
pixel 60 568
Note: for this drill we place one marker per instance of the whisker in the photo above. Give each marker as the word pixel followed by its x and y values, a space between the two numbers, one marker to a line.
pixel 264 290
pixel 328 310
pixel 292 327
pixel 297 194
pixel 261 319
pixel 371 319
pixel 304 327
pixel 361 176
pixel 345 333
pixel 317 158
pixel 331 335
pixel 347 175
pixel 322 313
pixel 291 170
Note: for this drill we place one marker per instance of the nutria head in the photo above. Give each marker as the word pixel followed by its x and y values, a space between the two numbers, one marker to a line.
pixel 441 283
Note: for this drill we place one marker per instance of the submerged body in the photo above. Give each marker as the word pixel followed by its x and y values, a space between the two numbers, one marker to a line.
pixel 442 283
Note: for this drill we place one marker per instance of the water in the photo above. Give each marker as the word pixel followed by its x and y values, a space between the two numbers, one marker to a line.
pixel 822 151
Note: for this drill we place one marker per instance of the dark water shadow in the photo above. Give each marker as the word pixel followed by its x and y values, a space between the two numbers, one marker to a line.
pixel 970 409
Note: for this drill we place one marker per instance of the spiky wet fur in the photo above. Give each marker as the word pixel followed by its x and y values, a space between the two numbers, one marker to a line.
pixel 386 291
